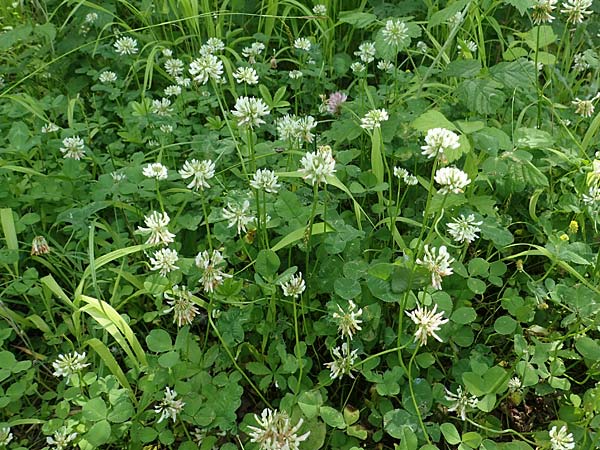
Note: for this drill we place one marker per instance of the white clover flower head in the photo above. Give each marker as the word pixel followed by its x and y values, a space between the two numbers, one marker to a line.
pixel 319 10
pixel 428 322
pixel 212 45
pixel 437 262
pixel 439 140
pixel 39 246
pixel 166 128
pixel 395 33
pixel 584 108
pixel 452 180
pixel 461 401
pixel 294 287
pixel 580 63
pixel 471 46
pixel 156 225
pixel 156 170
pixel 205 68
pixel 69 364
pixel 168 407
pixel 335 102
pixel 576 10
pixel 385 66
pixel 167 52
pixel 182 305
pixel 164 260
pixel 183 81
pixel 366 52
pixel 265 180
pixel 91 17
pixel 126 46
pixel 288 128
pixel 174 67
pixel 118 176
pixel 514 384
pixel 253 51
pixel 161 107
pixel 5 436
pixel 561 439
pixel 295 74
pixel 373 119
pixel 358 68
pixel 246 75
pixel 343 361
pixel 302 43
pixel 173 90
pixel 198 436
pixel 199 171
pixel 50 127
pixel 318 166
pixel 249 111
pixel 348 321
pixel 542 11
pixel 73 147
pixel 405 176
pixel 422 47
pixel 107 77
pixel 592 198
pixel 275 432
pixel 464 229
pixel 212 275
pixel 61 439
pixel 238 216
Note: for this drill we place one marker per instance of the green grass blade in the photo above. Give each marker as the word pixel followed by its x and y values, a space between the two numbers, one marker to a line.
pixel 112 364
pixel 299 233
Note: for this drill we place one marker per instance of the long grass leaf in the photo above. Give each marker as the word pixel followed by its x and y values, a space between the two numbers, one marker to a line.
pixel 102 350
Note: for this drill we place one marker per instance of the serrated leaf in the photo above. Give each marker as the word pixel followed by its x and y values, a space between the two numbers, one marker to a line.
pixel 481 96
pixel 432 119
pixel 357 18
pixel 521 5
pixel 516 74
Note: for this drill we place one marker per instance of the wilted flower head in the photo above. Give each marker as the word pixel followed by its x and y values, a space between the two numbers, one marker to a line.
pixel 73 147
pixel 348 321
pixel 335 102
pixel 69 364
pixel 184 309
pixel 253 51
pixel 246 75
pixel 452 180
pixel 461 401
pixel 294 287
pixel 126 46
pixel 317 166
pixel 238 216
pixel 212 275
pixel 265 180
pixel 438 263
pixel 576 10
pixel 464 229
pixel 61 439
pixel 155 170
pixel 164 261
pixel 200 171
pixel 275 432
pixel 302 43
pixel 542 11
pixel 395 33
pixel 438 140
pixel 584 108
pixel 428 322
pixel 39 246
pixel 366 52
pixel 373 119
pixel 249 111
pixel 168 406
pixel 343 361
pixel 156 225
pixel 561 439
pixel 205 68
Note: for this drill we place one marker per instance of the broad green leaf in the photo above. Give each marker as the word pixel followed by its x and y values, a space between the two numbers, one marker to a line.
pixel 432 119
pixel 310 402
pixel 505 325
pixel 482 96
pixel 588 348
pixel 463 315
pixel 450 433
pixel 357 18
pixel 267 263
pixel 332 417
pixel 94 410
pixel 159 341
